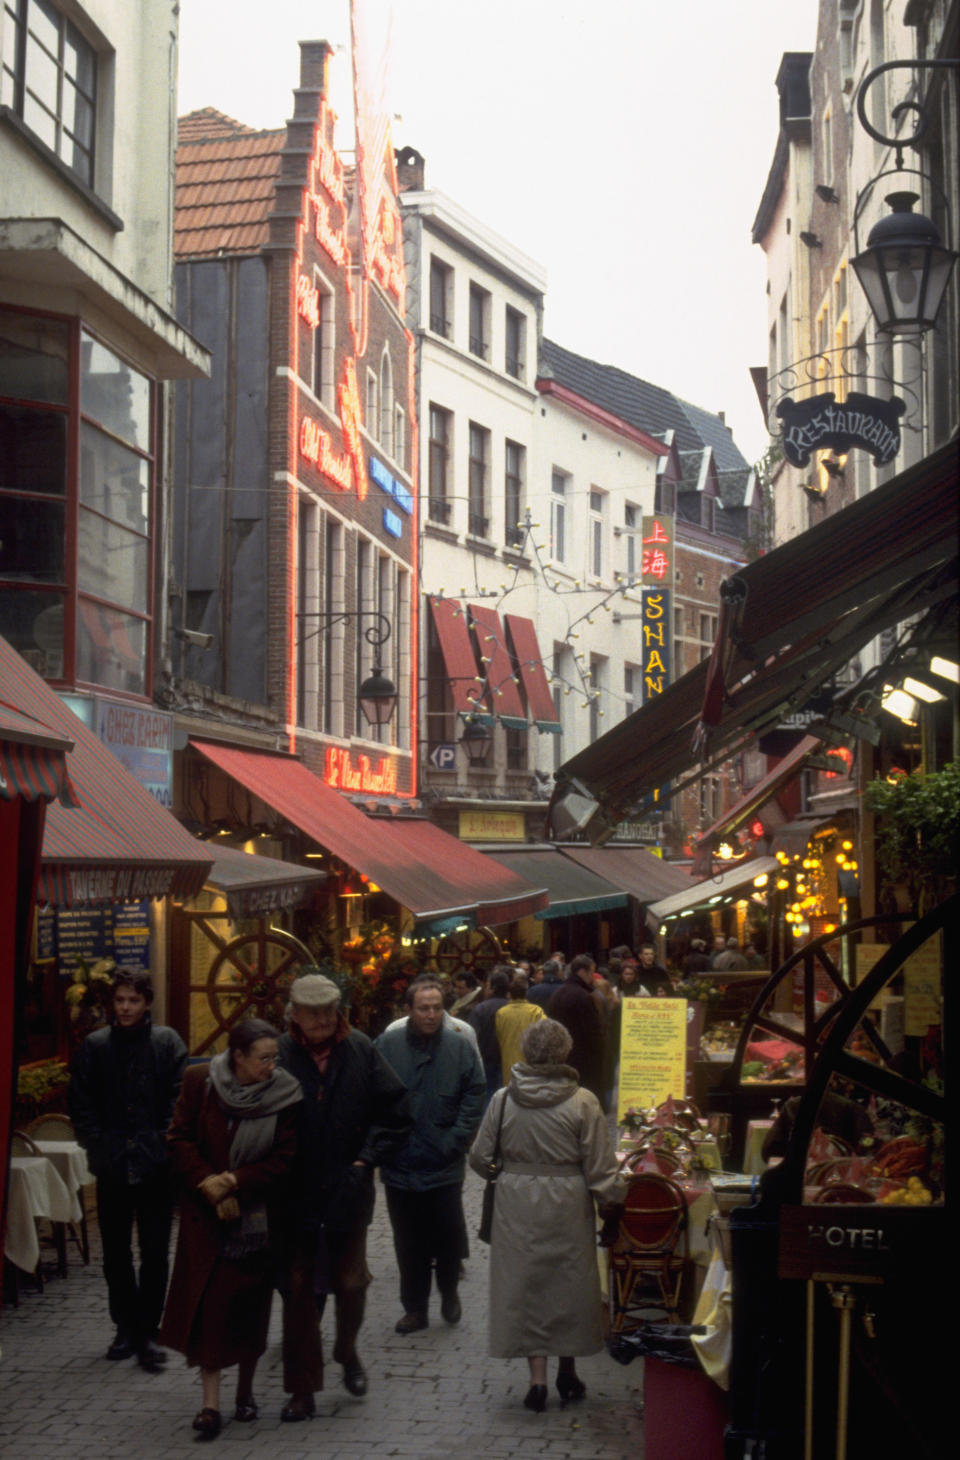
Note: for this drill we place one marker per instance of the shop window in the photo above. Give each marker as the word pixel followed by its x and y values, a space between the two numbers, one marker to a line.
pixel 49 81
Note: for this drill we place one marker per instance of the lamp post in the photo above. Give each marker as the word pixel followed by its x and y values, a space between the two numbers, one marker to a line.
pixel 905 267
pixel 377 695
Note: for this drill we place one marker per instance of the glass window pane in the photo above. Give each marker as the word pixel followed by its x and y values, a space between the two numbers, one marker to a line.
pixel 114 480
pixel 42 75
pixel 33 451
pixel 43 21
pixel 33 624
pixel 77 158
pixel 33 357
pixel 79 61
pixel 111 648
pixel 8 91
pixel 31 540
pixel 111 562
pixel 78 116
pixel 41 122
pixel 114 394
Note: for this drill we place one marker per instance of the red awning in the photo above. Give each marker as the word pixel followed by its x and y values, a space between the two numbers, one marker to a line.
pixel 453 631
pixel 786 768
pixel 420 866
pixel 116 843
pixel 637 871
pixel 503 691
pixel 533 675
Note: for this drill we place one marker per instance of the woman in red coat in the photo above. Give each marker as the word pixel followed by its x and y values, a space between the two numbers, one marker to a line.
pixel 232 1140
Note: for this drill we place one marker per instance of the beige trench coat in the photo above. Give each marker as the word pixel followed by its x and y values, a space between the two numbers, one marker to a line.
pixel 558 1158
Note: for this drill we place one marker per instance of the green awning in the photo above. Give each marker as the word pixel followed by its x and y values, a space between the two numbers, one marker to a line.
pixel 572 889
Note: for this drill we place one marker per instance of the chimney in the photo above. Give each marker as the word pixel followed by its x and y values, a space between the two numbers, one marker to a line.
pixel 411 170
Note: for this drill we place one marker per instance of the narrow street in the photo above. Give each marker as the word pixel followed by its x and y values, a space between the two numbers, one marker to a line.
pixel 436 1394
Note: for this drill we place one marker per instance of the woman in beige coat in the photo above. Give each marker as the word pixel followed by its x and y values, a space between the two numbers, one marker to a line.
pixel 558 1164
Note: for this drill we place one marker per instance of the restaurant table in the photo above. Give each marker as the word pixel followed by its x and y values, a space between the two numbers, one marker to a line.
pixel 70 1159
pixel 36 1189
pixel 753 1162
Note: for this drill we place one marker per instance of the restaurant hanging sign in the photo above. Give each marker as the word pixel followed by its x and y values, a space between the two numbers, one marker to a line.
pixel 822 423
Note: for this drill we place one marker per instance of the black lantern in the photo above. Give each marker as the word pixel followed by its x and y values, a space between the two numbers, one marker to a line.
pixel 904 269
pixel 378 697
pixel 476 741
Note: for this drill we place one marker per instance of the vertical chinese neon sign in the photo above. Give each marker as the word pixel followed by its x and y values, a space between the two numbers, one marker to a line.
pixel 657 578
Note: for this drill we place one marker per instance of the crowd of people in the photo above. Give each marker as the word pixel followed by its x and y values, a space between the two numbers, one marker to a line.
pixel 270 1150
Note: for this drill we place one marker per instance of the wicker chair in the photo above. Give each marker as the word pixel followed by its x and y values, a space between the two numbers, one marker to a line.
pixel 647 1259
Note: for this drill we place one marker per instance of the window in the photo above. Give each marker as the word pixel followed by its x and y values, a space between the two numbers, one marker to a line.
pixel 558 512
pixel 324 344
pixel 562 678
pixel 479 457
pixel 708 632
pixel 515 336
pixel 596 533
pixel 334 634
pixel 596 694
pixel 400 436
pixel 385 434
pixel 479 322
pixel 632 681
pixel 632 527
pixel 364 598
pixel 49 81
pixel 708 512
pixel 438 464
pixel 513 474
pixel 372 419
pixel 665 496
pixel 441 298
pixel 110 488
pixel 517 741
pixel 310 627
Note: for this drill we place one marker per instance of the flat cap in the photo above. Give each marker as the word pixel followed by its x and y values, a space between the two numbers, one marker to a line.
pixel 314 991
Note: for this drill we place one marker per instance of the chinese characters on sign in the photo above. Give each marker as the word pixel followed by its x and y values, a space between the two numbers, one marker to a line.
pixel 656 631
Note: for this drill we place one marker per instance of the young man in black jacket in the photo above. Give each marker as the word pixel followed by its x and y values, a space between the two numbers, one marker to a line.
pixel 354 1116
pixel 124 1085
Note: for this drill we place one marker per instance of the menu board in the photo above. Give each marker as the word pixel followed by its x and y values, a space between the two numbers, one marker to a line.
pixel 653 1048
pixel 921 988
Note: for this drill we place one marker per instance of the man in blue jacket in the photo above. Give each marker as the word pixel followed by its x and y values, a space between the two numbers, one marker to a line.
pixel 424 1180
pixel 124 1085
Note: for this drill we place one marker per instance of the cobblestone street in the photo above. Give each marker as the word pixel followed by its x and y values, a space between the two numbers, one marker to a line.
pixel 431 1395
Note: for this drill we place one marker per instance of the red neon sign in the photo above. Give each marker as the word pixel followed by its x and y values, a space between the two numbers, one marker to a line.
pixel 308 301
pixel 655 562
pixel 658 534
pixel 377 780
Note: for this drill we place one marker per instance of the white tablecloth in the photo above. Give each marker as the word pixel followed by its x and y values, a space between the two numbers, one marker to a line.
pixel 36 1190
pixel 70 1159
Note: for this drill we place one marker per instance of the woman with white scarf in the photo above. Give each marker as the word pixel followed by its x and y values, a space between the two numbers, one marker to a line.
pixel 232 1141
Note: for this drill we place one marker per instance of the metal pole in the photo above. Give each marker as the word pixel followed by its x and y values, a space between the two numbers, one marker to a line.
pixel 808 1395
pixel 845 1302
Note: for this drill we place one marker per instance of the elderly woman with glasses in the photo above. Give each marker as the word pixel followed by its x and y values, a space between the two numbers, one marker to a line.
pixel 558 1168
pixel 233 1141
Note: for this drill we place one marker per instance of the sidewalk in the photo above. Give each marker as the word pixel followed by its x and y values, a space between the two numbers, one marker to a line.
pixel 433 1395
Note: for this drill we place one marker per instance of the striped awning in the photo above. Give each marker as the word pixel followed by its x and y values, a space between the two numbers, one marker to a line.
pixel 533 674
pixel 115 843
pixel 453 633
pixel 495 654
pixel 32 759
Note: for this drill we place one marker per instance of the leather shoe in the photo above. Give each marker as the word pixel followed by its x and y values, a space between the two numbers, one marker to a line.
pixel 355 1378
pixel 412 1323
pixel 247 1410
pixel 207 1424
pixel 300 1406
pixel 123 1347
pixel 151 1356
pixel 450 1307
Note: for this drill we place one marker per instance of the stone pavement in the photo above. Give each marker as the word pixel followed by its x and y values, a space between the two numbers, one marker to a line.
pixel 435 1394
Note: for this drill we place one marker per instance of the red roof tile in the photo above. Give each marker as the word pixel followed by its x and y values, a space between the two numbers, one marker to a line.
pixel 226 174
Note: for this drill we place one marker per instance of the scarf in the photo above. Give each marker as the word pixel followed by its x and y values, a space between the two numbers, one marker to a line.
pixel 254 1108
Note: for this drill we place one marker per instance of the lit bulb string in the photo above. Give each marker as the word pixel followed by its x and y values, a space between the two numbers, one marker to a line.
pixel 487 687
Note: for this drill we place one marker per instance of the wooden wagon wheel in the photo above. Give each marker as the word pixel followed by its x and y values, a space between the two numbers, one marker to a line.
pixel 249 978
pixel 476 951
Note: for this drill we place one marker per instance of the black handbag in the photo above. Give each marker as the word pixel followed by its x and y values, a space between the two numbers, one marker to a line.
pixel 494 1167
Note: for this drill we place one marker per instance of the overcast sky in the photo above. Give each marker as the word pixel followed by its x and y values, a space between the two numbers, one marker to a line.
pixel 622 144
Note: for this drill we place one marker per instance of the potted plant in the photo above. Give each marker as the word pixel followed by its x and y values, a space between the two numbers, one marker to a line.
pixel 916 833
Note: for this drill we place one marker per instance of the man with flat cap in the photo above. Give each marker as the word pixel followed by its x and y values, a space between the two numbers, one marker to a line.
pixel 354 1116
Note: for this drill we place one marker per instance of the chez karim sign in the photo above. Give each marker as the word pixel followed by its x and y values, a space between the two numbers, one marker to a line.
pixel 820 423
